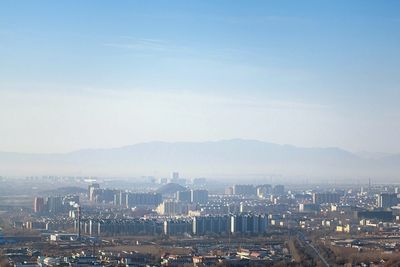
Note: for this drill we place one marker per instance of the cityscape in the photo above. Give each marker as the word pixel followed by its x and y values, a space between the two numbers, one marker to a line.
pixel 150 133
pixel 178 221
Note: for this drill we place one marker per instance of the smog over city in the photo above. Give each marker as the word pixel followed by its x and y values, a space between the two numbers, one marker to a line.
pixel 200 133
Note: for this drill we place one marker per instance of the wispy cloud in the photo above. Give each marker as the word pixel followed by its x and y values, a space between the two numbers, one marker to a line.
pixel 146 44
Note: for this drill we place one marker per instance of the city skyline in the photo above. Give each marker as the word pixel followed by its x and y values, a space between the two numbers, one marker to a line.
pixel 315 74
pixel 199 133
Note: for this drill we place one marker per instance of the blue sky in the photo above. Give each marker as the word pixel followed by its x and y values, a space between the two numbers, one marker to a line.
pixel 77 74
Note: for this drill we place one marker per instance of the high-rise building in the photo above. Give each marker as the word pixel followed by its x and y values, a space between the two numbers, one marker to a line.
pixel 264 190
pixel 199 196
pixel 175 176
pixel 123 199
pixel 238 224
pixel 218 225
pixel 55 204
pixel 38 205
pixel 308 207
pixel 185 196
pixel 244 189
pixel 248 224
pixel 176 179
pixel 229 190
pixel 143 199
pixel 91 190
pixel 387 200
pixel 177 227
pixel 326 198
pixel 104 195
pixel 117 199
pixel 118 227
pixel 172 208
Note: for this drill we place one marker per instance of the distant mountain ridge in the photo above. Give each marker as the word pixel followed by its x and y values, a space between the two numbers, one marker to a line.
pixel 228 158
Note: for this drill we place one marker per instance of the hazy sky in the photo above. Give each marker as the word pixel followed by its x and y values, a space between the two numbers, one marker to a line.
pixel 79 74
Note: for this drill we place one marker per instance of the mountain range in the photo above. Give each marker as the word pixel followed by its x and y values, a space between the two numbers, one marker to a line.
pixel 236 158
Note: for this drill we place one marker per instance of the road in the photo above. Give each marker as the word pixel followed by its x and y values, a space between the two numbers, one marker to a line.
pixel 308 243
pixel 319 255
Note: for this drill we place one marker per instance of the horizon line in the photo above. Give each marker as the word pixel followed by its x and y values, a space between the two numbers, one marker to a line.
pixel 199 142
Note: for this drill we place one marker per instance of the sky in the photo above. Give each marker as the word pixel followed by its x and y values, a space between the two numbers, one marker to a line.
pixel 98 74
